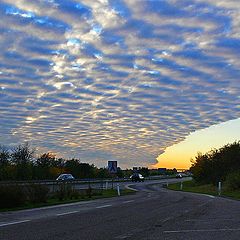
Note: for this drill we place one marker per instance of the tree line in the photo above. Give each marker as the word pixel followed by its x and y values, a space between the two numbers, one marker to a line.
pixel 218 165
pixel 20 163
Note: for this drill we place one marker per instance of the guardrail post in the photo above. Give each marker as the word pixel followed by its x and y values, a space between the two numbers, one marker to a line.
pixel 118 190
pixel 219 188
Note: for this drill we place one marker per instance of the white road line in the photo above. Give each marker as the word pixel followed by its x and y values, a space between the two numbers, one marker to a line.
pixel 129 201
pixel 209 220
pixel 204 230
pixel 66 213
pixel 12 223
pixel 211 196
pixel 55 206
pixel 104 206
pixel 167 219
pixel 130 188
pixel 123 236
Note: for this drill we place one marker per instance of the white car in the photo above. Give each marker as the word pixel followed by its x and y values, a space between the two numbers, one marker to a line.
pixel 137 177
pixel 179 175
pixel 65 177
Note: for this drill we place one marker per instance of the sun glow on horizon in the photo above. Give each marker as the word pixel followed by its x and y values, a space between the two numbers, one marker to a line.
pixel 216 136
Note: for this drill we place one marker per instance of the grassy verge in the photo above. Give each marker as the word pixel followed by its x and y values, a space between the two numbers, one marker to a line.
pixel 54 201
pixel 191 186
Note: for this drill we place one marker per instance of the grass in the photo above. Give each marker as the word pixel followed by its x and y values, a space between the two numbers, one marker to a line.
pixel 191 186
pixel 54 201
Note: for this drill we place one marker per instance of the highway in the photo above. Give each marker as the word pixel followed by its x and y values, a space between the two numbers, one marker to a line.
pixel 79 184
pixel 152 213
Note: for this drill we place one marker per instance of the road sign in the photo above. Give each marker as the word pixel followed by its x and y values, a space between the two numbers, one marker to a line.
pixel 112 166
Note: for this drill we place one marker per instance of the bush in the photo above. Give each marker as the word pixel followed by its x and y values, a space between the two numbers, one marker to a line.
pixel 215 165
pixel 61 193
pixel 12 196
pixel 233 181
pixel 75 194
pixel 37 193
pixel 89 192
pixel 66 191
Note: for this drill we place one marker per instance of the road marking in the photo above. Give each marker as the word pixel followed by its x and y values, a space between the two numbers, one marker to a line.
pixel 204 230
pixel 124 236
pixel 12 223
pixel 130 188
pixel 104 206
pixel 66 213
pixel 55 206
pixel 129 201
pixel 167 219
pixel 207 220
pixel 211 196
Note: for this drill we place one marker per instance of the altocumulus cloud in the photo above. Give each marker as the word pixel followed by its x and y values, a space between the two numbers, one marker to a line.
pixel 116 79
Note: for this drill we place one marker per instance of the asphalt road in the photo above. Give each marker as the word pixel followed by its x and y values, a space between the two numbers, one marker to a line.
pixel 152 213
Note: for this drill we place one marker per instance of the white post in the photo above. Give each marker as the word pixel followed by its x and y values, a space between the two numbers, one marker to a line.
pixel 219 188
pixel 118 189
pixel 167 184
pixel 106 185
pixel 181 186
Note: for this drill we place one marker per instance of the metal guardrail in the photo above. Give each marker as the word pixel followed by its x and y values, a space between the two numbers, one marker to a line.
pixel 80 184
pixel 80 181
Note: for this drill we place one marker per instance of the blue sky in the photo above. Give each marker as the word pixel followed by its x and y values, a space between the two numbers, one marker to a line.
pixel 116 80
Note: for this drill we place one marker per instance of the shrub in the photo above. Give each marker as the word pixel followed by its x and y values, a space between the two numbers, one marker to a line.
pixel 215 165
pixel 233 180
pixel 66 191
pixel 61 193
pixel 75 194
pixel 12 196
pixel 37 193
pixel 89 192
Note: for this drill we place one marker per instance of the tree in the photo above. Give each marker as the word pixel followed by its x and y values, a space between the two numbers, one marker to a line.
pixel 216 164
pixel 22 157
pixel 4 156
pixel 102 173
pixel 87 170
pixel 43 166
pixel 73 166
pixel 5 168
pixel 144 171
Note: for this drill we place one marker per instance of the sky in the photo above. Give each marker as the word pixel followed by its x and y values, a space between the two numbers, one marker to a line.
pixel 118 80
pixel 181 155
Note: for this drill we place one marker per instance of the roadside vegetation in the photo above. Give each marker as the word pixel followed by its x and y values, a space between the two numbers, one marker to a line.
pixel 218 165
pixel 22 163
pixel 192 186
pixel 15 197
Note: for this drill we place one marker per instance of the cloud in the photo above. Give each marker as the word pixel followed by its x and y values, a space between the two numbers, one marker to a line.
pixel 104 80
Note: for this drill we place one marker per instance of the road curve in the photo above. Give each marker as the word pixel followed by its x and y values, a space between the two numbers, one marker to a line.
pixel 152 213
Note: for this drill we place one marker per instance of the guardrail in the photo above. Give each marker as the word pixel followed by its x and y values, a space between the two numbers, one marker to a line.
pixel 79 181
pixel 80 184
